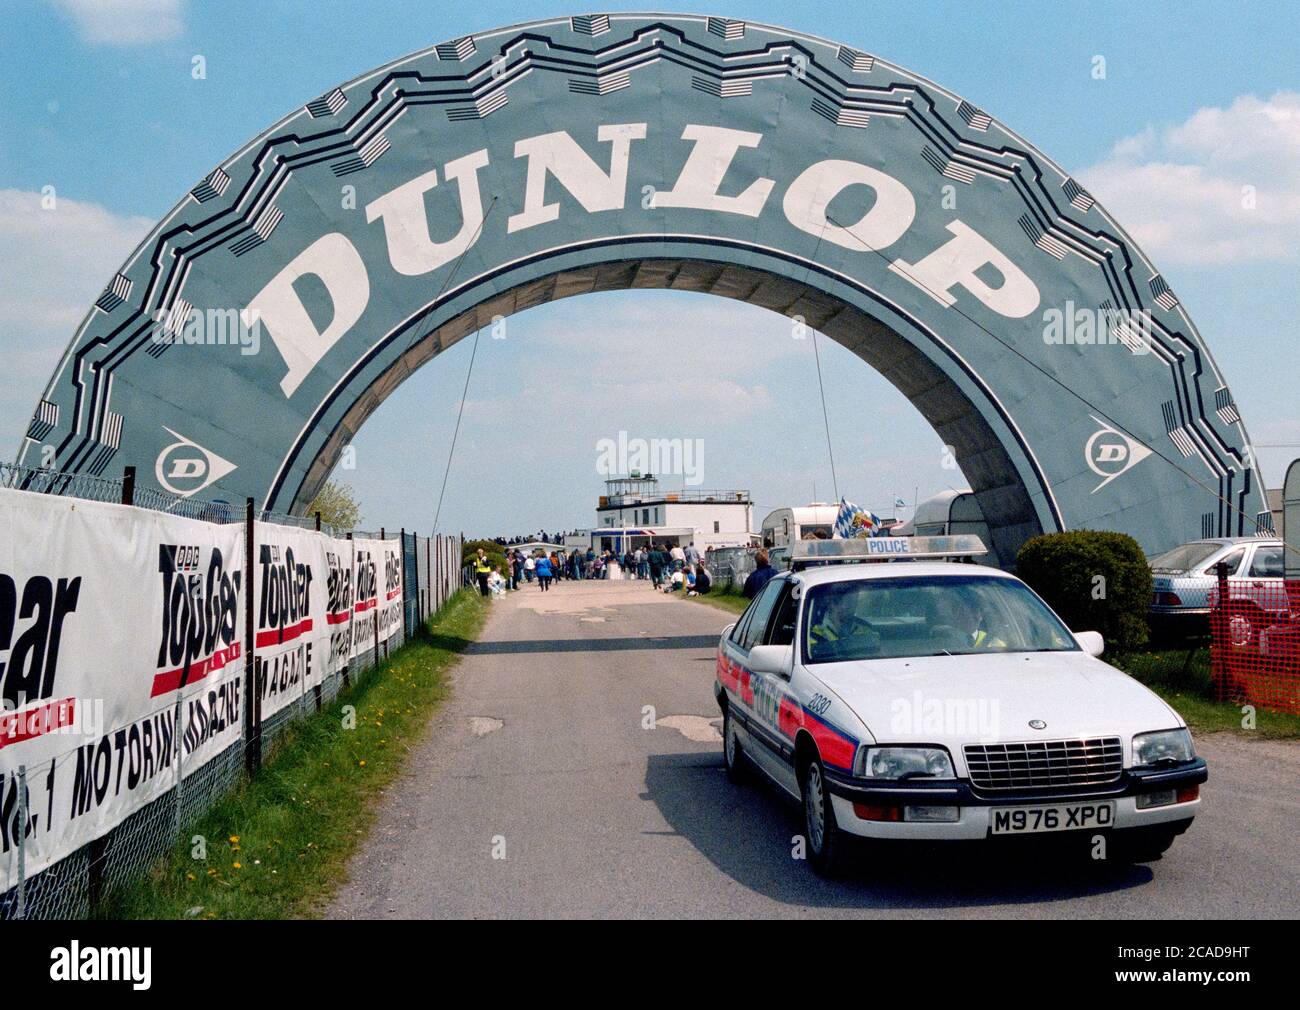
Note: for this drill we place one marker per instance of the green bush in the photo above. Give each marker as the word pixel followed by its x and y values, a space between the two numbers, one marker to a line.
pixel 496 554
pixel 1096 581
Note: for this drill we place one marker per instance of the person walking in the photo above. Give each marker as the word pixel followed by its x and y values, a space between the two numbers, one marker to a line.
pixel 692 555
pixel 678 557
pixel 544 572
pixel 530 567
pixel 656 564
pixel 481 571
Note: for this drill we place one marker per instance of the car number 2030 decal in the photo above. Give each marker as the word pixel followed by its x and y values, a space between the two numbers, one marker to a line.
pixel 818 704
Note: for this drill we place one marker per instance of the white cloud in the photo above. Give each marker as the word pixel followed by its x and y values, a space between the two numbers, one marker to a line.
pixel 1221 187
pixel 125 22
pixel 54 263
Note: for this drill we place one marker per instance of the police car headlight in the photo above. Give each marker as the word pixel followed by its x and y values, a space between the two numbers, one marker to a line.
pixel 904 763
pixel 1168 746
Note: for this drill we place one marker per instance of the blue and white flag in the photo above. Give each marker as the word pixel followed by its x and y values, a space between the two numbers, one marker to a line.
pixel 854 523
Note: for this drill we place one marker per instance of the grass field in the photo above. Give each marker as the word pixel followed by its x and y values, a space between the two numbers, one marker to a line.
pixel 278 846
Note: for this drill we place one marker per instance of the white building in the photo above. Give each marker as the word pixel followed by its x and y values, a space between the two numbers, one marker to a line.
pixel 633 511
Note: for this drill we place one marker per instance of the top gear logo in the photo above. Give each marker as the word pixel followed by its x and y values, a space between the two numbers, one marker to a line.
pixel 185 468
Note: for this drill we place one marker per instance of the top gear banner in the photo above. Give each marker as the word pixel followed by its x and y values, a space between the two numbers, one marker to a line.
pixel 290 604
pixel 377 583
pixel 121 661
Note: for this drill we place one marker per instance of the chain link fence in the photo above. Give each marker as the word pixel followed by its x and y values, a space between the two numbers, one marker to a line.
pixel 74 886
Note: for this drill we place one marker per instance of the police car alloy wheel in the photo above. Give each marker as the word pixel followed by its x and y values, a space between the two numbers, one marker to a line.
pixel 823 834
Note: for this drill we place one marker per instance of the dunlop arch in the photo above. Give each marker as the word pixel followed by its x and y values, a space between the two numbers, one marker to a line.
pixel 390 217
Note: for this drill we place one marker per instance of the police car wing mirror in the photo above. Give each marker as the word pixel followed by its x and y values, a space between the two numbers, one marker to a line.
pixel 1090 642
pixel 773 659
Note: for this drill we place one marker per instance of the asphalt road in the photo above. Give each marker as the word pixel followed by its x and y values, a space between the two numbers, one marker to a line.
pixel 539 792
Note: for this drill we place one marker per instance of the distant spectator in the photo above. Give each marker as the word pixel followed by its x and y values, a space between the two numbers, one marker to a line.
pixel 758 577
pixel 692 555
pixel 544 572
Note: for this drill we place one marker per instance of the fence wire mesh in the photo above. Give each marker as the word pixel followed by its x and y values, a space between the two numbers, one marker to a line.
pixel 77 884
pixel 1255 642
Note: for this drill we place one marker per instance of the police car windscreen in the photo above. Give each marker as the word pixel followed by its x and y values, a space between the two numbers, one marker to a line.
pixel 915 616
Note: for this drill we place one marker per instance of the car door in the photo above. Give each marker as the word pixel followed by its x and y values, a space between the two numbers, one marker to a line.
pixel 1263 581
pixel 734 672
pixel 777 711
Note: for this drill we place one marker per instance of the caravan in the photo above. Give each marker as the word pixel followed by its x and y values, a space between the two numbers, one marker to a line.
pixel 787 526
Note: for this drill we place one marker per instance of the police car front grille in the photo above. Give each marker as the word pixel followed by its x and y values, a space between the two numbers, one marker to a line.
pixel 1045 764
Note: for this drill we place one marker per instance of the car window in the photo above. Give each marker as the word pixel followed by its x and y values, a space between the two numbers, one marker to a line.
pixel 1185 557
pixel 1233 561
pixel 1267 563
pixel 759 612
pixel 928 616
pixel 781 631
pixel 738 632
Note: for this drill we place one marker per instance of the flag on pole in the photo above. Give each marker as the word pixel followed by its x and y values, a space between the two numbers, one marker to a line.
pixel 852 522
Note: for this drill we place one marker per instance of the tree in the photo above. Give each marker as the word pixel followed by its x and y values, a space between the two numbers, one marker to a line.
pixel 337 505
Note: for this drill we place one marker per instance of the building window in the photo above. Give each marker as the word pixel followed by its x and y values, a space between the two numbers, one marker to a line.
pixel 715 526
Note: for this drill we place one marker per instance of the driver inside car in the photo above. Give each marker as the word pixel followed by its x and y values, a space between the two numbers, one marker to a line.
pixel 838 623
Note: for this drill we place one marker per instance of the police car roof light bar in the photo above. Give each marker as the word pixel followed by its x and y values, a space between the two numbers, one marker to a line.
pixel 804 552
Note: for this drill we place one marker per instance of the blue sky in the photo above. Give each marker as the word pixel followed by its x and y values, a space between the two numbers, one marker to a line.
pixel 1198 101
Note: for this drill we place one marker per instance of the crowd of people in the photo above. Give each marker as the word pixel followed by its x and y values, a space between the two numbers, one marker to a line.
pixel 670 568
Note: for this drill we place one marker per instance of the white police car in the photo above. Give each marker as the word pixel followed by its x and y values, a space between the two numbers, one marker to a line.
pixel 933 701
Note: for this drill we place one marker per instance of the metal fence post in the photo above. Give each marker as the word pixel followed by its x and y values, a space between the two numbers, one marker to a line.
pixel 22 841
pixel 402 555
pixel 352 621
pixel 1220 652
pixel 252 689
pixel 179 736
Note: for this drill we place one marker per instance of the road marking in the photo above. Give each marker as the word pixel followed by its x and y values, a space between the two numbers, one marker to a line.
pixel 699 728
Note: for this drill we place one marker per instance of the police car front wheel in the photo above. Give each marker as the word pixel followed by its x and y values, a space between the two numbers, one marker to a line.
pixel 824 839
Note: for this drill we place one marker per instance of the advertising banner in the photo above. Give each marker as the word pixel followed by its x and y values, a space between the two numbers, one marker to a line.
pixel 121 654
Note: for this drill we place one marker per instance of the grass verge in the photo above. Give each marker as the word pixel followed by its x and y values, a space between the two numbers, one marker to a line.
pixel 730 600
pixel 278 846
pixel 1182 678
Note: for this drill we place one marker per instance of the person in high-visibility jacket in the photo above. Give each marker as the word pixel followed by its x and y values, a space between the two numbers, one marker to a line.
pixel 964 615
pixel 482 569
pixel 838 621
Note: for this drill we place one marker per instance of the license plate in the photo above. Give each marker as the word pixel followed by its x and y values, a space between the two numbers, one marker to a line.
pixel 1064 817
